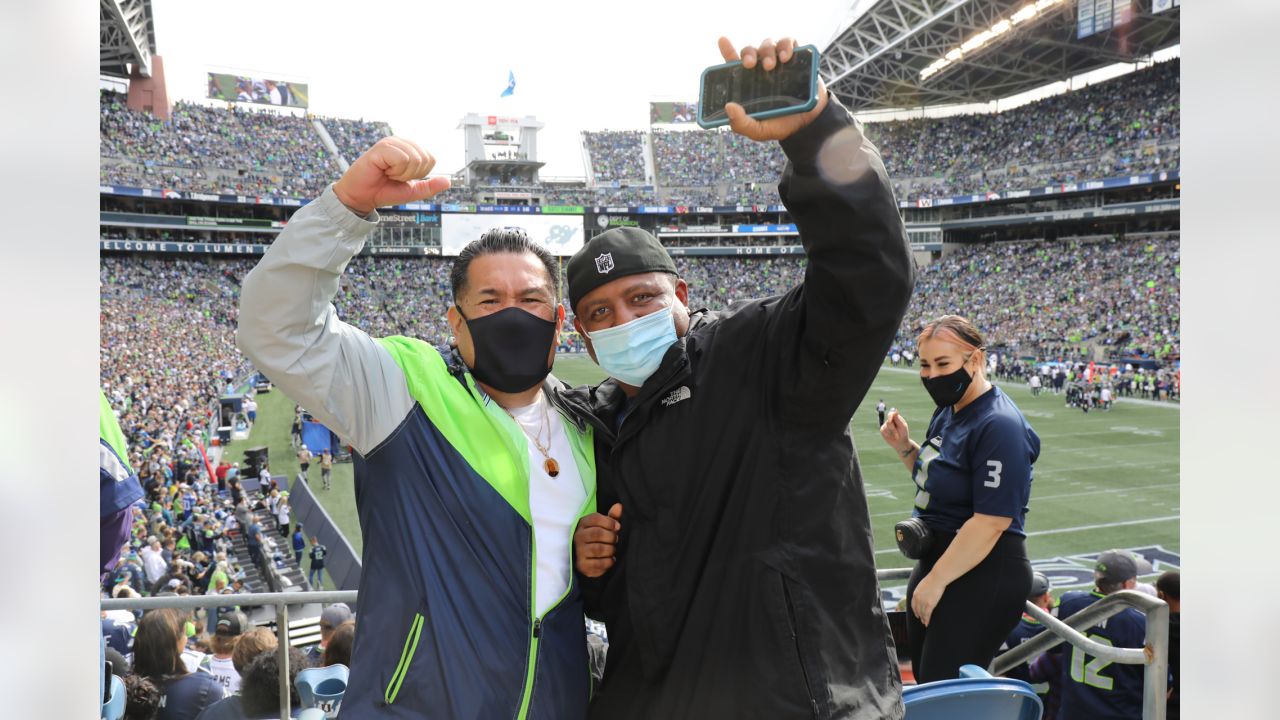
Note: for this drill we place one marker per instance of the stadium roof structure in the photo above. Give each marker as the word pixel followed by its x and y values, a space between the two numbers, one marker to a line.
pixel 126 36
pixel 882 60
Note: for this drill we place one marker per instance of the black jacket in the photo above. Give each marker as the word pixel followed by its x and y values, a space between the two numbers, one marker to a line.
pixel 745 586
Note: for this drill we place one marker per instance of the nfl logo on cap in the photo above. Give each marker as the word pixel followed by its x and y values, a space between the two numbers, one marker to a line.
pixel 604 263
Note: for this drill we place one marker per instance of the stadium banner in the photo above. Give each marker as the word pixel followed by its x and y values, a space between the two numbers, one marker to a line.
pixel 787 229
pixel 1103 184
pixel 188 248
pixel 1084 18
pixel 1102 15
pixel 1122 13
pixel 199 248
pixel 750 250
pixel 667 113
pixel 392 217
pixel 202 221
pixel 561 235
pixel 258 91
pixel 501 131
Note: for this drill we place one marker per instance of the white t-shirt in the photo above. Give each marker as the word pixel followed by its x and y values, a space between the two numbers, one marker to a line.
pixel 553 501
pixel 224 671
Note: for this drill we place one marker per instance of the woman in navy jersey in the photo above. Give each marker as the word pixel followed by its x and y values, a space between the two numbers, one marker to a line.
pixel 157 656
pixel 973 482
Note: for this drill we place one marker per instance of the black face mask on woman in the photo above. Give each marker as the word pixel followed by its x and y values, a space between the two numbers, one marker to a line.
pixel 511 348
pixel 948 389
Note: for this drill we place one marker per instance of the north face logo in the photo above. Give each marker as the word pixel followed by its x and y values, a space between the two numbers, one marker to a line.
pixel 604 263
pixel 675 396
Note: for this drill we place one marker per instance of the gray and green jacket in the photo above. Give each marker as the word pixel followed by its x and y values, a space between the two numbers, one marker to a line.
pixel 448 627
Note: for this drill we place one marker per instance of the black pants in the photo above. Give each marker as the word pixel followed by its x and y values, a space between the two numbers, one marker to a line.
pixel 976 613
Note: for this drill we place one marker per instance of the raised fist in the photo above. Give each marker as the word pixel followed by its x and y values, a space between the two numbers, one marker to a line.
pixel 392 172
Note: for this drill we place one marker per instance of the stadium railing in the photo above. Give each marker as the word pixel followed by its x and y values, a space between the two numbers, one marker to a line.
pixel 281 602
pixel 1154 654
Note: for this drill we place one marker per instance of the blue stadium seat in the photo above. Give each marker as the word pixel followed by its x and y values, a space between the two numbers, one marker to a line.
pixel 113 708
pixel 312 714
pixel 322 688
pixel 975 695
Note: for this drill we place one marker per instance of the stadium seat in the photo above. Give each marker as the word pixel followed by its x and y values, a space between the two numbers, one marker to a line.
pixel 322 688
pixel 113 708
pixel 975 695
pixel 312 714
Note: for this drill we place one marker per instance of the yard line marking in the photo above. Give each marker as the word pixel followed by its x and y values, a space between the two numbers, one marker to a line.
pixel 1107 491
pixel 1100 526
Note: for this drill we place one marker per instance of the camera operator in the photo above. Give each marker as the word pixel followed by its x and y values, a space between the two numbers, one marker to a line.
pixel 973 480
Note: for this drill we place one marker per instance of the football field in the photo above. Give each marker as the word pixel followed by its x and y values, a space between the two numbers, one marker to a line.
pixel 1103 480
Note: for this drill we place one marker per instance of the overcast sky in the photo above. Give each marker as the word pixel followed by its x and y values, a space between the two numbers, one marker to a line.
pixel 420 67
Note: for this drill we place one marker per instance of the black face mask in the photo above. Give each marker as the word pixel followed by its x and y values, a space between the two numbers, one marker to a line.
pixel 948 389
pixel 511 349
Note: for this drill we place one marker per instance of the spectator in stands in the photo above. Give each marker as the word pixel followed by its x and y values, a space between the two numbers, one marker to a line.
pixel 251 644
pixel 1167 589
pixel 254 540
pixel 118 489
pixel 973 483
pixel 318 553
pixel 219 663
pixel 142 698
pixel 1092 689
pixel 338 651
pixel 505 318
pixel 1049 688
pixel 260 689
pixel 330 618
pixel 153 562
pixel 157 656
pixel 693 590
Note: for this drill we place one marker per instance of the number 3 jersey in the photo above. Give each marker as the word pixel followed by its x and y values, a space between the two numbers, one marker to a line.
pixel 977 460
pixel 1092 688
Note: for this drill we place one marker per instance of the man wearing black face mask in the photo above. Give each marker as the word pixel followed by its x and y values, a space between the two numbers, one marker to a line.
pixel 470 475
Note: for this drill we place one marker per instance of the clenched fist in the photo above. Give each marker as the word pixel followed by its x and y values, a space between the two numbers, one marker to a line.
pixel 595 541
pixel 392 172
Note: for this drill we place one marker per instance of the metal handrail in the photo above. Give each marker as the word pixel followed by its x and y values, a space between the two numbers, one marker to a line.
pixel 280 601
pixel 1154 654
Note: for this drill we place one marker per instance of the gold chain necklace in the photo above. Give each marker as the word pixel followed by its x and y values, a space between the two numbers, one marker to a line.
pixel 549 463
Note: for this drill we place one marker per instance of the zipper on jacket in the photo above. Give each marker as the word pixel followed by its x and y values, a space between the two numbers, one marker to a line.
pixel 795 637
pixel 406 656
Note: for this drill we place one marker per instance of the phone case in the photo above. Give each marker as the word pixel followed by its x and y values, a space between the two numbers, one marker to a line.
pixel 764 114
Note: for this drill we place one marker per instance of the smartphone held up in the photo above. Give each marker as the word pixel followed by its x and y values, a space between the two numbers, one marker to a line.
pixel 791 87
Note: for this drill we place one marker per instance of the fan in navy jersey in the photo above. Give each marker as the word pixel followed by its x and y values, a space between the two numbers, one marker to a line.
pixel 973 481
pixel 1049 689
pixel 1092 688
pixel 157 656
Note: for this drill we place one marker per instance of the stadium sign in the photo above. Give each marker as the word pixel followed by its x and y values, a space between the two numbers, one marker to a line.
pixel 748 251
pixel 183 247
pixel 1103 184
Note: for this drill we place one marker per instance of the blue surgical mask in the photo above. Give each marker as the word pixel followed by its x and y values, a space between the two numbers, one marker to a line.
pixel 632 352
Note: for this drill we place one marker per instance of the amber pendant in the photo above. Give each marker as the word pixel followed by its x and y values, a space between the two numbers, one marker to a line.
pixel 552 467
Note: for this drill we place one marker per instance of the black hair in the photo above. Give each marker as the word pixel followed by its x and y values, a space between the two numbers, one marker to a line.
pixel 142 698
pixel 260 685
pixel 1169 583
pixel 502 240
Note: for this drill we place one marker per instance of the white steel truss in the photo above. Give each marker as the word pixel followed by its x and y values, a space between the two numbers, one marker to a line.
pixel 126 36
pixel 876 62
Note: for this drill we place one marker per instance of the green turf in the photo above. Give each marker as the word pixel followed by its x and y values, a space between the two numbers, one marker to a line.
pixel 1099 469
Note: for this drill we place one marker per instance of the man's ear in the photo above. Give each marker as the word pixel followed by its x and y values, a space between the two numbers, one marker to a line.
pixel 454 318
pixel 682 291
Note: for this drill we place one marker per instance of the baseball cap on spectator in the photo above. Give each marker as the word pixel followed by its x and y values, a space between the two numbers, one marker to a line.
pixel 1115 566
pixel 334 615
pixel 233 623
pixel 612 254
pixel 1039 585
pixel 174 582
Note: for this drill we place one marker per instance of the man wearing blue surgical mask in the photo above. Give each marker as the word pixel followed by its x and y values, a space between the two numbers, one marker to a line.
pixel 732 552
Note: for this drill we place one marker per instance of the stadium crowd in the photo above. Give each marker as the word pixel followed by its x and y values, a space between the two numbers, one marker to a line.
pixel 353 137
pixel 616 154
pixel 1123 126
